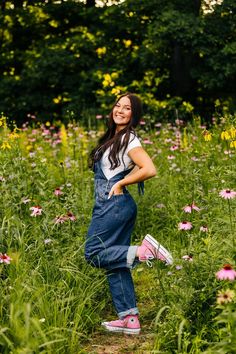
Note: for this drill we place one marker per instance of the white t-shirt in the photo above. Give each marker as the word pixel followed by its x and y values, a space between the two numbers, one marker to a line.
pixel 105 163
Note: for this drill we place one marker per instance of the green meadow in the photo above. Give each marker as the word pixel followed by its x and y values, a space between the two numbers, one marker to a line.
pixel 52 301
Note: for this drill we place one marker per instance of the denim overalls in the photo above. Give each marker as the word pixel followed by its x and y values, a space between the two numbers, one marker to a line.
pixel 108 240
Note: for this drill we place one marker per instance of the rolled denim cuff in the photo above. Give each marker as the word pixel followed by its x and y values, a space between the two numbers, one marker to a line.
pixel 131 254
pixel 133 311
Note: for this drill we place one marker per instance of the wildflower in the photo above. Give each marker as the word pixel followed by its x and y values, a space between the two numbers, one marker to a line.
pixel 147 141
pixel 71 216
pixel 58 191
pixel 189 208
pixel 185 225
pixel 232 131
pixel 179 122
pixel 42 320
pixel 194 158
pixel 226 273
pixel 36 210
pixel 2 179
pixel 233 144
pixel 4 258
pixel 178 267
pixel 188 258
pixel 174 147
pixel 227 194
pixel 225 135
pixel 207 135
pixel 225 296
pixel 158 125
pixel 99 116
pixel 170 157
pixel 60 219
pixel 142 122
pixel 5 146
pixel 204 228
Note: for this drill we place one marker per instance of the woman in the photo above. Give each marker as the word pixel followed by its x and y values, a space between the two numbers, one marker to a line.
pixel 114 213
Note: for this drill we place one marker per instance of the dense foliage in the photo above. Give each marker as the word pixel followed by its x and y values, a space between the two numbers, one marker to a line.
pixel 63 58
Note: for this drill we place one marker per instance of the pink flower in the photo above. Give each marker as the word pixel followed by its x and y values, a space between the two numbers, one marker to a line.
pixel 36 210
pixel 99 116
pixel 188 258
pixel 4 258
pixel 185 225
pixel 142 122
pixel 227 194
pixel 60 219
pixel 204 228
pixel 189 208
pixel 147 141
pixel 174 147
pixel 71 216
pixel 178 267
pixel 170 157
pixel 226 273
pixel 58 191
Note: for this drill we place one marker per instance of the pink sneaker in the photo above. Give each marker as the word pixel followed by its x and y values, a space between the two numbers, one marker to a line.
pixel 152 249
pixel 129 325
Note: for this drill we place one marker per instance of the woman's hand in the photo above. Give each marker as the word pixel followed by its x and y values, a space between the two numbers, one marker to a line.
pixel 116 189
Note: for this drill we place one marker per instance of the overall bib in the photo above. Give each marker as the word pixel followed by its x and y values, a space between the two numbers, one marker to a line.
pixel 108 240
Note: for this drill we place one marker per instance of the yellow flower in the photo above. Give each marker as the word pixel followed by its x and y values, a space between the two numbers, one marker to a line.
pixel 232 132
pixel 225 135
pixel 47 124
pixel 233 144
pixel 127 43
pixel 5 145
pixel 207 135
pixel 13 135
pixel 101 51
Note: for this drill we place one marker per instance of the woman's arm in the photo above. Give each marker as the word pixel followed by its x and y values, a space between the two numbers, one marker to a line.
pixel 146 170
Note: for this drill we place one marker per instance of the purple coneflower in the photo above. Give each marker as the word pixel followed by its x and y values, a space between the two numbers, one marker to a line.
pixel 58 191
pixel 185 225
pixel 4 258
pixel 188 257
pixel 71 216
pixel 147 141
pixel 60 219
pixel 36 210
pixel 189 208
pixel 227 194
pixel 174 147
pixel 226 273
pixel 204 228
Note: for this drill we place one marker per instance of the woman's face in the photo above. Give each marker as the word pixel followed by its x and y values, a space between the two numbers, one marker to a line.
pixel 122 113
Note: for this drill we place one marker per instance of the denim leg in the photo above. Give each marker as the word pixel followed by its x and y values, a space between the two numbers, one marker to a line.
pixel 122 291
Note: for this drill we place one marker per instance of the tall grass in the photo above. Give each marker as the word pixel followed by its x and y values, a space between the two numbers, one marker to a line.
pixel 52 301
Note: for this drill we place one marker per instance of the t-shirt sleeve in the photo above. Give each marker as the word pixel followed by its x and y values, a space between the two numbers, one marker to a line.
pixel 134 142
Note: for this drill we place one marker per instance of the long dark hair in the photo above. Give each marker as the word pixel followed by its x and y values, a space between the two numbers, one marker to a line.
pixel 117 141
